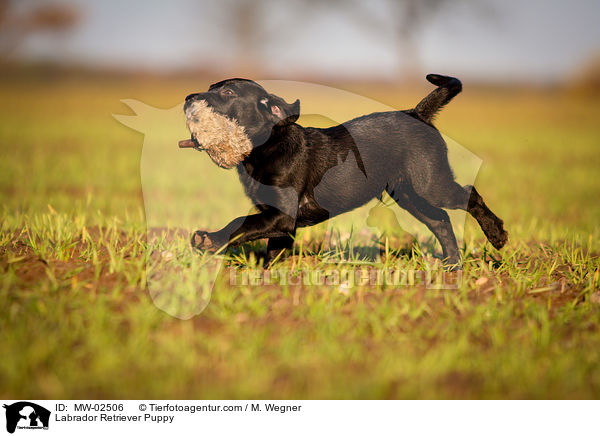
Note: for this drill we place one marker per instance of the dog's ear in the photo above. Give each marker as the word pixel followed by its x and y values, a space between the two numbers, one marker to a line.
pixel 282 112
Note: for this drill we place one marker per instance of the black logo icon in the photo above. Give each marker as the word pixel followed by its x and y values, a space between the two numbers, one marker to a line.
pixel 26 415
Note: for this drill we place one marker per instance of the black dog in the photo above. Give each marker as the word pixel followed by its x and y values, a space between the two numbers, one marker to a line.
pixel 299 176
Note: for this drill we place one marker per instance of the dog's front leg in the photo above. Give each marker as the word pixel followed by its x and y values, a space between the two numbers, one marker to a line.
pixel 270 223
pixel 279 245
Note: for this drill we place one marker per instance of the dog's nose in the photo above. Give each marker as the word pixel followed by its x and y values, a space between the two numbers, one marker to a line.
pixel 191 97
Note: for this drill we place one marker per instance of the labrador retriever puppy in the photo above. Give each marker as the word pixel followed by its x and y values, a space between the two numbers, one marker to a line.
pixel 300 176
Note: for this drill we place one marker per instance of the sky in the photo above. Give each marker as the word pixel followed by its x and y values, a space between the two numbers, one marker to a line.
pixel 535 40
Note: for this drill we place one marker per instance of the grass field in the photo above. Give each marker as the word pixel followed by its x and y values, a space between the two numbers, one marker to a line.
pixel 78 317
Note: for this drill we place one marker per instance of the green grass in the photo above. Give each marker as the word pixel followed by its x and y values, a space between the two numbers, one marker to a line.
pixel 81 278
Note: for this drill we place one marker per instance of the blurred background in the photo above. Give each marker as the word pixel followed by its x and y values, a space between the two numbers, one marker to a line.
pixel 536 42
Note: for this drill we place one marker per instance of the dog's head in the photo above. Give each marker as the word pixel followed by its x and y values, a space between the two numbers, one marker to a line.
pixel 249 105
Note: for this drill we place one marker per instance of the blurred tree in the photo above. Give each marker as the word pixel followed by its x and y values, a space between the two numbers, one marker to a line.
pixel 409 18
pixel 18 23
pixel 405 19
pixel 249 32
pixel 402 20
pixel 585 79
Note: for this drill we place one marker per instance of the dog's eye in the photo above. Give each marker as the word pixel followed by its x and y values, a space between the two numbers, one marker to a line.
pixel 227 91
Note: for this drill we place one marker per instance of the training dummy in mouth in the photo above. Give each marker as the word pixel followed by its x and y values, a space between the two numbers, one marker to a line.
pixel 224 140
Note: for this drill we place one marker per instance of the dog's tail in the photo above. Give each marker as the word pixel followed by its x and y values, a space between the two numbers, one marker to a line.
pixel 448 88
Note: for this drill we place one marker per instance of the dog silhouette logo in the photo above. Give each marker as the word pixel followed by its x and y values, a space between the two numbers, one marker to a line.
pixel 26 415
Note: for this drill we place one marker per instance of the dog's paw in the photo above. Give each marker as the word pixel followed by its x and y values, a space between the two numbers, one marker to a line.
pixel 499 238
pixel 201 241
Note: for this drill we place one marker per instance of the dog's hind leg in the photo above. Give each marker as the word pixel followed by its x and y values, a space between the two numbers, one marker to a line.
pixel 436 220
pixel 492 226
pixel 454 196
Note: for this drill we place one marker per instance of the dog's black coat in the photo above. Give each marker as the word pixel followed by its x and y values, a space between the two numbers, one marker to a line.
pixel 299 176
